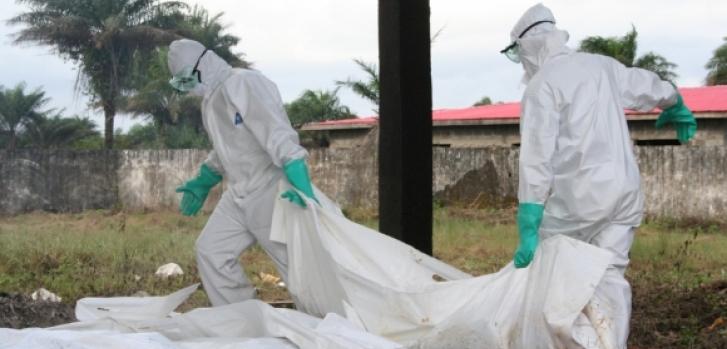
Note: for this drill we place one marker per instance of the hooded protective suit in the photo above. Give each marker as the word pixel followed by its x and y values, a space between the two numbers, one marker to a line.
pixel 252 141
pixel 576 156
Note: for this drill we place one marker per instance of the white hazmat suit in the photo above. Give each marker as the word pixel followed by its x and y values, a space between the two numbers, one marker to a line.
pixel 576 156
pixel 252 140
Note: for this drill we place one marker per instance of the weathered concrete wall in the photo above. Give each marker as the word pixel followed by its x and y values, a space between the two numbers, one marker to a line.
pixel 685 182
pixel 148 178
pixel 57 181
pixel 348 176
pixel 476 177
pixel 679 182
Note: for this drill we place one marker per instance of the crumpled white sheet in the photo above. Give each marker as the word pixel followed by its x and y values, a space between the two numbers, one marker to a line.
pixel 246 325
pixel 389 288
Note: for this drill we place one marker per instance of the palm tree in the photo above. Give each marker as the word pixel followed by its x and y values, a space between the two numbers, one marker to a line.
pixel 314 106
pixel 59 132
pixel 102 37
pixel 624 48
pixel 717 66
pixel 367 89
pixel 18 110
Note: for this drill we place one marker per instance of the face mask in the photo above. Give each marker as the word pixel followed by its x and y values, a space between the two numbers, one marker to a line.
pixel 187 79
pixel 512 52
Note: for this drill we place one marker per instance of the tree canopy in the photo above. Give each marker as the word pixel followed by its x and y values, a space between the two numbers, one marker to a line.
pixel 717 66
pixel 314 106
pixel 483 101
pixel 102 37
pixel 19 109
pixel 624 48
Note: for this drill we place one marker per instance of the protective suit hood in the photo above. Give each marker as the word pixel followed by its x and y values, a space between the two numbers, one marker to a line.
pixel 537 39
pixel 213 69
pixel 533 15
pixel 540 46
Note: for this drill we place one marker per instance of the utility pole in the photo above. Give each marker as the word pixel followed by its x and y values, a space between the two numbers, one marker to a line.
pixel 405 121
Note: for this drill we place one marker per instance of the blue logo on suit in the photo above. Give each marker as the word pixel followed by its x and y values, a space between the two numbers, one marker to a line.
pixel 238 119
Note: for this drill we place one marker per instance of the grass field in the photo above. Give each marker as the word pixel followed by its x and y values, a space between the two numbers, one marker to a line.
pixel 678 272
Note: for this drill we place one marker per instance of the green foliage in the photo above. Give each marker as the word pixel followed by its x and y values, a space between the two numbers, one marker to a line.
pixel 186 137
pixel 369 89
pixel 140 136
pixel 483 101
pixel 658 64
pixel 18 111
pixel 623 49
pixel 59 132
pixel 717 66
pixel 103 37
pixel 147 136
pixel 314 106
pixel 23 124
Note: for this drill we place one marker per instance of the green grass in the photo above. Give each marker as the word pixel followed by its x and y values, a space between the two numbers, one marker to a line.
pixel 102 253
pixel 107 253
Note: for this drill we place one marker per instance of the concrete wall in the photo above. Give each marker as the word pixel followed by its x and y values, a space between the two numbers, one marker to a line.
pixel 147 179
pixel 57 181
pixel 685 182
pixel 679 182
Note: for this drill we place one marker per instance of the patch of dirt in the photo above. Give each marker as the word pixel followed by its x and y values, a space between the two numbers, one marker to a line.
pixel 19 311
pixel 665 316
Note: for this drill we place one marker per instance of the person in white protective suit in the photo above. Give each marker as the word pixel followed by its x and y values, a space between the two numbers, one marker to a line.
pixel 578 173
pixel 254 146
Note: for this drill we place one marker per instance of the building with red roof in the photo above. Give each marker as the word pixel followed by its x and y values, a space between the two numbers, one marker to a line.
pixel 498 124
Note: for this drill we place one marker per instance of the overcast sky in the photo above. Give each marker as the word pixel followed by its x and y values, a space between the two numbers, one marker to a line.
pixel 310 44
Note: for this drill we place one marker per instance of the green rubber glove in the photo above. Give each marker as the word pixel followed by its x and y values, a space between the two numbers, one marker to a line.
pixel 682 119
pixel 528 221
pixel 196 190
pixel 297 173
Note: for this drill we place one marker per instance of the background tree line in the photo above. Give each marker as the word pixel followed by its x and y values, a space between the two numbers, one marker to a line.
pixel 120 48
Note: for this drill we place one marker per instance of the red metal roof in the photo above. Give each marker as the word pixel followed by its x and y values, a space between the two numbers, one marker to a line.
pixel 709 99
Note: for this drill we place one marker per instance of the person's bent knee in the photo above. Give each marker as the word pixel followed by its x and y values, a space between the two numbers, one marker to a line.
pixel 202 248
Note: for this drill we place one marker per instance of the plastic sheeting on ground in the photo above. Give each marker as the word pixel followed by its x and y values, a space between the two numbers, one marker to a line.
pixel 247 325
pixel 391 289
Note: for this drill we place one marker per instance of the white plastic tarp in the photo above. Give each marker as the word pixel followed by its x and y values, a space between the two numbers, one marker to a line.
pixel 390 288
pixel 246 325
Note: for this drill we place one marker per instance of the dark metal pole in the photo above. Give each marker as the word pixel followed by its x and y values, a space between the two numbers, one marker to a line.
pixel 405 135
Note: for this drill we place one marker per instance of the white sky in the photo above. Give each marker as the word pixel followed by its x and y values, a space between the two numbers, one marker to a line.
pixel 310 44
